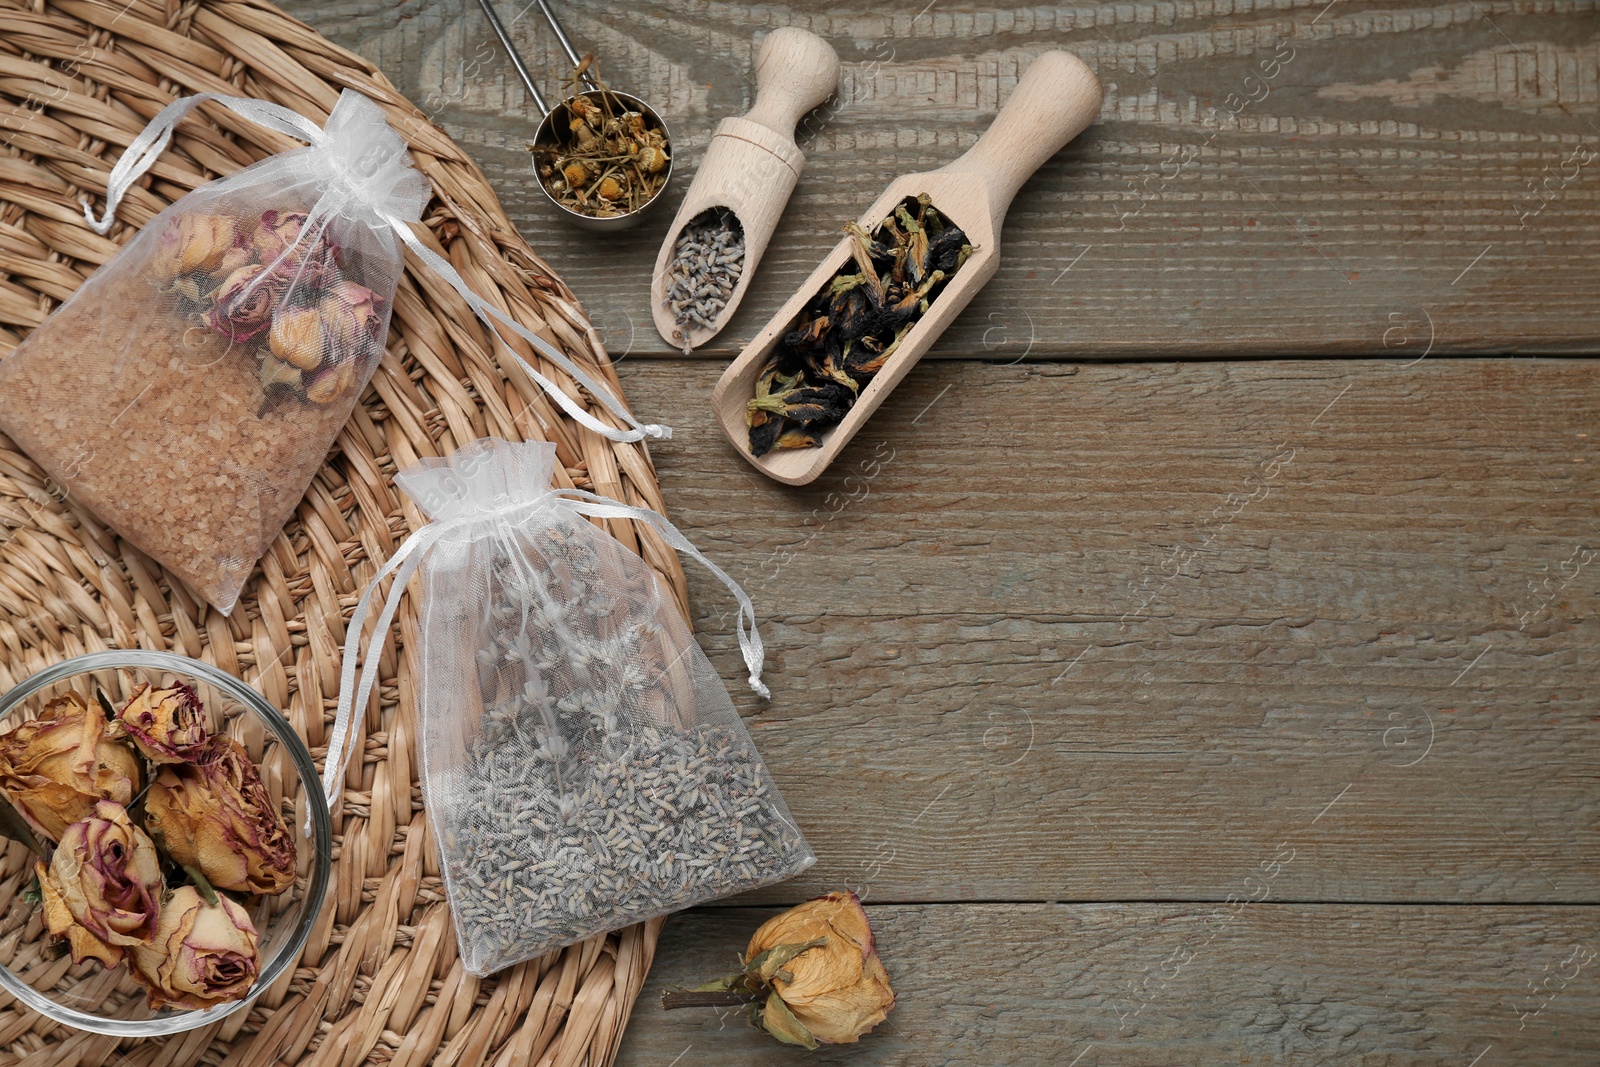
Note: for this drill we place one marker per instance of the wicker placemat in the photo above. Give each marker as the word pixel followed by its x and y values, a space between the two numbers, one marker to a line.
pixel 379 981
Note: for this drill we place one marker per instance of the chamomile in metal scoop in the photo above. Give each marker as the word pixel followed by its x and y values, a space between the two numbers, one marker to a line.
pixel 602 157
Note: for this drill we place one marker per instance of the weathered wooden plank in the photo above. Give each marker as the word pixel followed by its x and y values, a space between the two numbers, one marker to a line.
pixel 1294 176
pixel 1138 984
pixel 1108 632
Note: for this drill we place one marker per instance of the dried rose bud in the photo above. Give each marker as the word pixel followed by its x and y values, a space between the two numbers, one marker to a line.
pixel 103 886
pixel 54 768
pixel 811 976
pixel 297 337
pixel 327 385
pixel 202 954
pixel 352 318
pixel 243 304
pixel 276 374
pixel 216 815
pixel 301 260
pixel 166 725
pixel 278 231
pixel 838 989
pixel 194 243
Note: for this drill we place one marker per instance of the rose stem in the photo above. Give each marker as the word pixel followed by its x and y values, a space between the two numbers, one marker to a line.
pixel 712 998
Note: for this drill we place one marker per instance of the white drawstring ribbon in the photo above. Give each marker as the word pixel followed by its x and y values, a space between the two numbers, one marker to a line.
pixel 489 314
pixel 153 140
pixel 403 564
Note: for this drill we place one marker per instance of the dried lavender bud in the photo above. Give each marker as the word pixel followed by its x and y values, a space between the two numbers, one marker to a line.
pixel 708 260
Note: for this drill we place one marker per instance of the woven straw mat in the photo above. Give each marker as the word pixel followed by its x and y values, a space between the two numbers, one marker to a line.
pixel 379 980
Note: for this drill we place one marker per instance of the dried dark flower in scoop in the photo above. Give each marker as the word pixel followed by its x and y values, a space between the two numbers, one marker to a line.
pixel 852 326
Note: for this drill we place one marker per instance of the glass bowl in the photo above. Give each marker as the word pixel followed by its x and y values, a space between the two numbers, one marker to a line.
pixel 90 997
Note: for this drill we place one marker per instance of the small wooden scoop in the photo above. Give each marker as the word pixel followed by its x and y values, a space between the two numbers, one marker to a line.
pixel 751 167
pixel 1055 101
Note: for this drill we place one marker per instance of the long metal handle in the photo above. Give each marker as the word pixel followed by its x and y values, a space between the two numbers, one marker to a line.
pixel 516 60
pixel 561 35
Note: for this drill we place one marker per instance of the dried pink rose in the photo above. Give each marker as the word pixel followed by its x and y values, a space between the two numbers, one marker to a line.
pixel 166 725
pixel 243 304
pixel 329 383
pixel 305 261
pixel 217 816
pixel 54 768
pixel 298 338
pixel 352 315
pixel 277 233
pixel 350 325
pixel 201 954
pixel 103 887
pixel 193 243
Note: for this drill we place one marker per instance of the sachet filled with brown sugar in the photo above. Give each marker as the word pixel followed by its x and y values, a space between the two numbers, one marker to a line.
pixel 188 392
pixel 190 389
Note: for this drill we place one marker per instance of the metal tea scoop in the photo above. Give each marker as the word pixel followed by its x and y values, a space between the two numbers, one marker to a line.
pixel 559 117
pixel 750 169
pixel 1055 101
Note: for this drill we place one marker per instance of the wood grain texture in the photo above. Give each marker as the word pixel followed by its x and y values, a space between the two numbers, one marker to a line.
pixel 1137 985
pixel 1113 631
pixel 1069 659
pixel 1282 177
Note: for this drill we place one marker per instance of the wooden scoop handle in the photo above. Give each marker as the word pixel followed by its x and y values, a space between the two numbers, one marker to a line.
pixel 795 71
pixel 1055 101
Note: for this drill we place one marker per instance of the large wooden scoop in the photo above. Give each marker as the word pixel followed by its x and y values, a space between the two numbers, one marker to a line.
pixel 1055 101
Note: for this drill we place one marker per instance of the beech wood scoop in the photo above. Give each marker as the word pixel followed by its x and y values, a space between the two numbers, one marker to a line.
pixel 1055 101
pixel 751 167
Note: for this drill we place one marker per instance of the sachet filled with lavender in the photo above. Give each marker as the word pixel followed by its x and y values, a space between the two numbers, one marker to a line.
pixel 582 764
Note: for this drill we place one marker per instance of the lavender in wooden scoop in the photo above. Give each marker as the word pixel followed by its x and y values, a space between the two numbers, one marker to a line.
pixel 739 191
pixel 707 263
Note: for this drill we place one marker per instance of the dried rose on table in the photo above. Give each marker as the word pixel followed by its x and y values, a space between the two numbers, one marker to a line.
pixel 201 954
pixel 216 816
pixel 811 976
pixel 165 725
pixel 103 886
pixel 54 768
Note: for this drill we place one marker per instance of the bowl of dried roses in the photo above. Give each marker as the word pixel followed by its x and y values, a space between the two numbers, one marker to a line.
pixel 166 849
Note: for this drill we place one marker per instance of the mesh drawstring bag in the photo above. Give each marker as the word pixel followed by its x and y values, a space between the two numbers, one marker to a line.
pixel 188 392
pixel 582 765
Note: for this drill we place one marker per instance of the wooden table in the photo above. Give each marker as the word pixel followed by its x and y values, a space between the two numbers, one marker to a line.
pixel 1196 661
